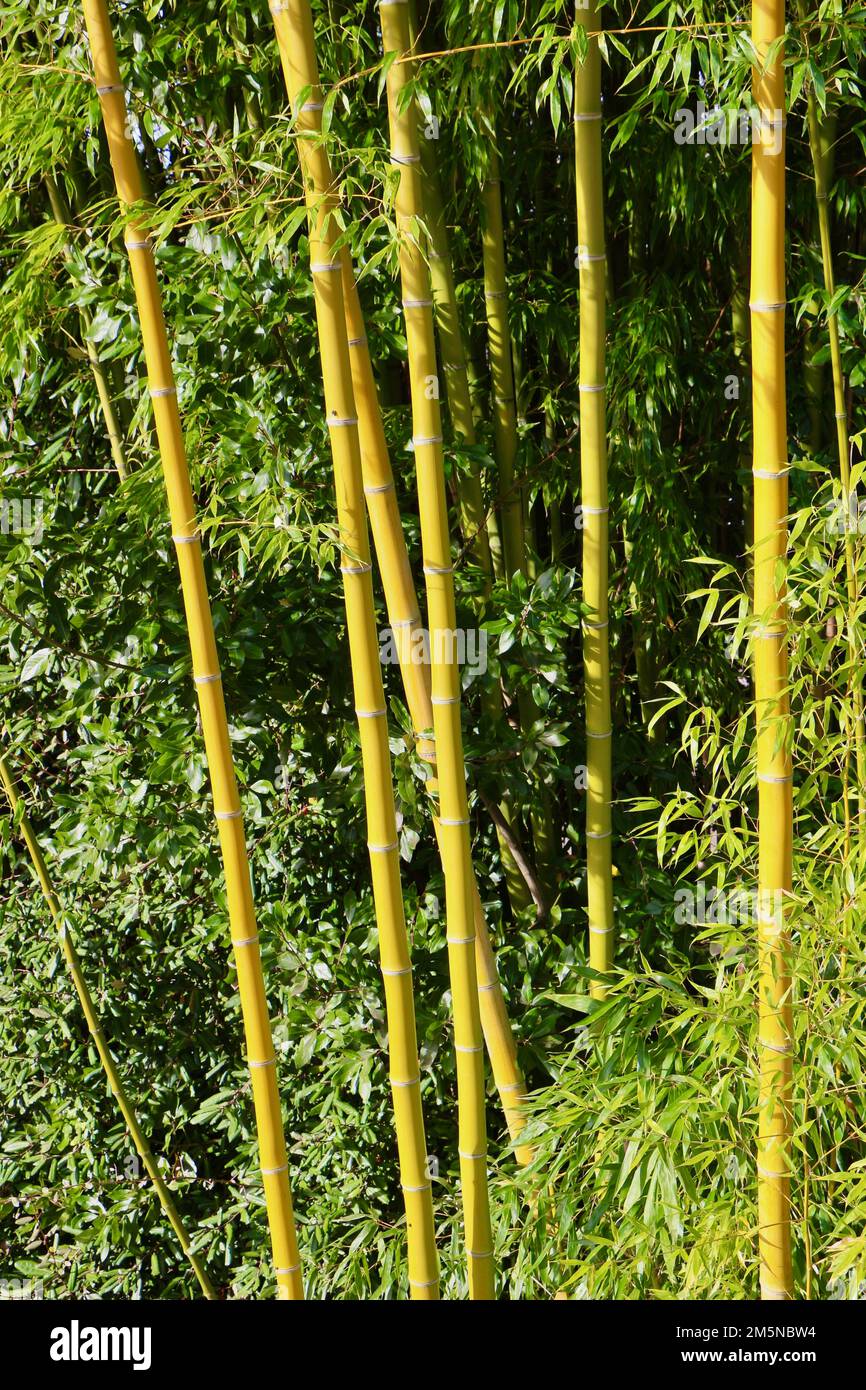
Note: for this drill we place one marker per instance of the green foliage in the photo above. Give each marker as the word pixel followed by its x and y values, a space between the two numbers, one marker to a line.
pixel 644 1184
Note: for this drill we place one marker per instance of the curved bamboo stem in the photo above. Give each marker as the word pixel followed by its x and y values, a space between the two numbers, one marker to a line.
pixel 405 620
pixel 61 214
pixel 594 498
pixel 294 30
pixel 445 678
pixel 208 682
pixel 819 165
pixel 108 1065
pixel 501 368
pixel 770 470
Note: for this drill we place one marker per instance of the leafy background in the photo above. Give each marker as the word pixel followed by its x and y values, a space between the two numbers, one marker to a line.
pixel 644 1183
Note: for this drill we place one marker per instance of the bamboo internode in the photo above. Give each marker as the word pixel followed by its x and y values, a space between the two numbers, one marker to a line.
pixel 95 1028
pixel 594 497
pixel 294 30
pixel 206 672
pixel 445 679
pixel 774 762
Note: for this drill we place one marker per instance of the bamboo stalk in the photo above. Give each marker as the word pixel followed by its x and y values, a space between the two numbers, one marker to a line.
pixel 594 497
pixel 445 677
pixel 512 499
pixel 63 218
pixel 118 1090
pixel 405 620
pixel 770 470
pixel 294 30
pixel 820 165
pixel 501 369
pixel 208 682
pixel 479 528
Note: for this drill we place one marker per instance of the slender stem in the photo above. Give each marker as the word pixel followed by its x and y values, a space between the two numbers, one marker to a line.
pixel 594 498
pixel 208 681
pixel 294 30
pixel 444 671
pixel 63 218
pixel 93 1023
pixel 774 762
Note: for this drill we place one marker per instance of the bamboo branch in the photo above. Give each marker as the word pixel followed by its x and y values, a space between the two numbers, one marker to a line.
pixel 73 963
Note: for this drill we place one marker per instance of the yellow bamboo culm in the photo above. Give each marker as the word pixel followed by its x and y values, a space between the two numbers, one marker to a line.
pixel 445 678
pixel 227 808
pixel 294 30
pixel 775 773
pixel 93 1023
pixel 405 620
pixel 594 498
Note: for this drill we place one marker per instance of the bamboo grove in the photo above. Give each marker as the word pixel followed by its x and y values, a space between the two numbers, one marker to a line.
pixel 431 617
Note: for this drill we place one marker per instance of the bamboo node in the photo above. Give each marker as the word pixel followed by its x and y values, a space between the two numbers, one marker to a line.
pixel 245 941
pixel 324 267
pixel 769 1174
pixel 601 931
pixel 290 1269
pixel 313 106
pixel 495 294
pixel 445 699
pixel 419 1283
pixel 594 511
pixel 370 713
pixel 227 815
pixel 458 1047
pixel 769 777
pixel 355 569
pixel 404 158
pixel 414 1081
pixel 588 116
pixel 338 421
pixel 271 1172
pixel 425 1187
pixel 156 391
pixel 138 245
pixel 784 1049
pixel 438 569
pixel 208 680
pixel 417 303
pixel 769 474
pixel 111 87
pixel 460 940
pixel 596 627
pixel 444 820
pixel 406 970
pixel 584 258
pixel 381 487
pixel 187 540
pixel 357 342
pixel 598 835
pixel 590 734
pixel 270 1062
pixel 591 390
pixel 759 307
pixel 479 1254
pixel 383 849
